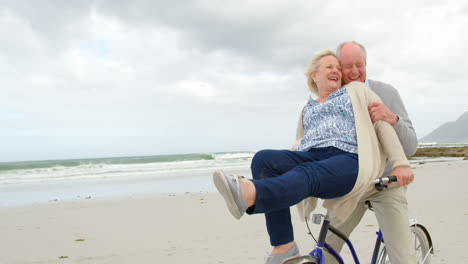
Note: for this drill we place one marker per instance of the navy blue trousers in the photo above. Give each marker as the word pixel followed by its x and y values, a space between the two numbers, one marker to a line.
pixel 283 178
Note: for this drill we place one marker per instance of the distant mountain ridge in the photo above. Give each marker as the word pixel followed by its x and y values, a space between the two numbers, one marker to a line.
pixel 450 132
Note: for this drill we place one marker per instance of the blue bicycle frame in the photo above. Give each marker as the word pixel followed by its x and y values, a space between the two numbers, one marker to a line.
pixel 317 253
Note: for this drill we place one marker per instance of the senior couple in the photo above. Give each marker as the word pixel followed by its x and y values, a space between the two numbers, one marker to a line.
pixel 346 137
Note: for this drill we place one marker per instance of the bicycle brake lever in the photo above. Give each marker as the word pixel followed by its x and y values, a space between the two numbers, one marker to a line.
pixel 380 186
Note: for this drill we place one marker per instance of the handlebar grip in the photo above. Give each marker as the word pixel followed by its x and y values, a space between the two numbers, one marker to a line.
pixel 392 179
pixel 381 183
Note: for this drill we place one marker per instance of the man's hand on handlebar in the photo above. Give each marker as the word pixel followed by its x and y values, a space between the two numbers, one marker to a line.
pixel 404 175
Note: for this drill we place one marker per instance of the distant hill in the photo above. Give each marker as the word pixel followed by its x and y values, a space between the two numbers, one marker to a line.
pixel 450 132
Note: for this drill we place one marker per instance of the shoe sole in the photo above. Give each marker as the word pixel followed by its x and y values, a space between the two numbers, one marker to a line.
pixel 222 185
pixel 299 260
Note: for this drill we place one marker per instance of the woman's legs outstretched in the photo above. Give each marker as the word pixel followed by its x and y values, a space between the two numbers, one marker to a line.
pixel 284 178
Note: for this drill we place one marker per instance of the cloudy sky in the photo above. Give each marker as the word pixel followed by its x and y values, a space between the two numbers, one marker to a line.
pixel 147 77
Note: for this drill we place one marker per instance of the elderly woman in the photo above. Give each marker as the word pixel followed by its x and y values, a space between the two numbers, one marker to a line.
pixel 339 151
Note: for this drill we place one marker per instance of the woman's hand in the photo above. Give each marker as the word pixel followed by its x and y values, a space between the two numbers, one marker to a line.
pixel 404 175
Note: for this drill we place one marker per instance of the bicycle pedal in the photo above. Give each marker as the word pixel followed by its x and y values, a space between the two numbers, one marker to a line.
pixel 317 219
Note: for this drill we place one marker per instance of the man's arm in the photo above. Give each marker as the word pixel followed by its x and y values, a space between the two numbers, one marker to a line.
pixel 388 139
pixel 394 151
pixel 393 107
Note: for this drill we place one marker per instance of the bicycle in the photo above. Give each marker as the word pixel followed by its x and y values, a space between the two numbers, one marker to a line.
pixel 421 239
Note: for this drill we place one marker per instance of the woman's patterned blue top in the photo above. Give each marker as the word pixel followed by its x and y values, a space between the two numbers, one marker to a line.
pixel 329 124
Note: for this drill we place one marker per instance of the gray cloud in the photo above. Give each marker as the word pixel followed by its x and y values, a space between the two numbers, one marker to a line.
pixel 262 30
pixel 91 78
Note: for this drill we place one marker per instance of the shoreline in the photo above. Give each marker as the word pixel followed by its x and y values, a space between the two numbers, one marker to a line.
pixel 12 195
pixel 121 187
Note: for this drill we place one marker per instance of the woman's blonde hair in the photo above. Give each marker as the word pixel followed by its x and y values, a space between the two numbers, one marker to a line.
pixel 314 65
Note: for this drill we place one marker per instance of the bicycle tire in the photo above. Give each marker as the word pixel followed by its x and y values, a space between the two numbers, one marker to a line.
pixel 421 246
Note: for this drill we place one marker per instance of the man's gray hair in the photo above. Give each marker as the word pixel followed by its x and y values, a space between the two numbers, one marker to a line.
pixel 314 65
pixel 338 49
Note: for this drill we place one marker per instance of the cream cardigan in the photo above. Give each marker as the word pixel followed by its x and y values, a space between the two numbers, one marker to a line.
pixel 376 142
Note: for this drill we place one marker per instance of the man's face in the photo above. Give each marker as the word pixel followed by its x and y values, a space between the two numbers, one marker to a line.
pixel 353 66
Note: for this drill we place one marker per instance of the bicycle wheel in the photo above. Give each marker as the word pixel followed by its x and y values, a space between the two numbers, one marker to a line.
pixel 421 247
pixel 382 258
pixel 421 244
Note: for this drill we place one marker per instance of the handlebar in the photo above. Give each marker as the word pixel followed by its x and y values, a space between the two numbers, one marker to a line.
pixel 381 183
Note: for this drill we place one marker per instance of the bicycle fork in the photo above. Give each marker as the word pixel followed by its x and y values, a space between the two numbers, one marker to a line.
pixel 317 253
pixel 377 248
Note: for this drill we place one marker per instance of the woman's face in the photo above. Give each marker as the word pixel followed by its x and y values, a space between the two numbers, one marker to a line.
pixel 328 76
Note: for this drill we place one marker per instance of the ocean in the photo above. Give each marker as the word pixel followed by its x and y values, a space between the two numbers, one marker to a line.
pixel 99 168
pixel 29 182
pixel 52 180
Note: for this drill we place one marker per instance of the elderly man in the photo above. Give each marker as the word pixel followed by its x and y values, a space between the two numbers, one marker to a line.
pixel 390 206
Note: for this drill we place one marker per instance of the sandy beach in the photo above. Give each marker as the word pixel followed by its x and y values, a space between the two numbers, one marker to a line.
pixel 197 228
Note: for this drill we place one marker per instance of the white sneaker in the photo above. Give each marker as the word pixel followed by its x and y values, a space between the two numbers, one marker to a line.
pixel 229 187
